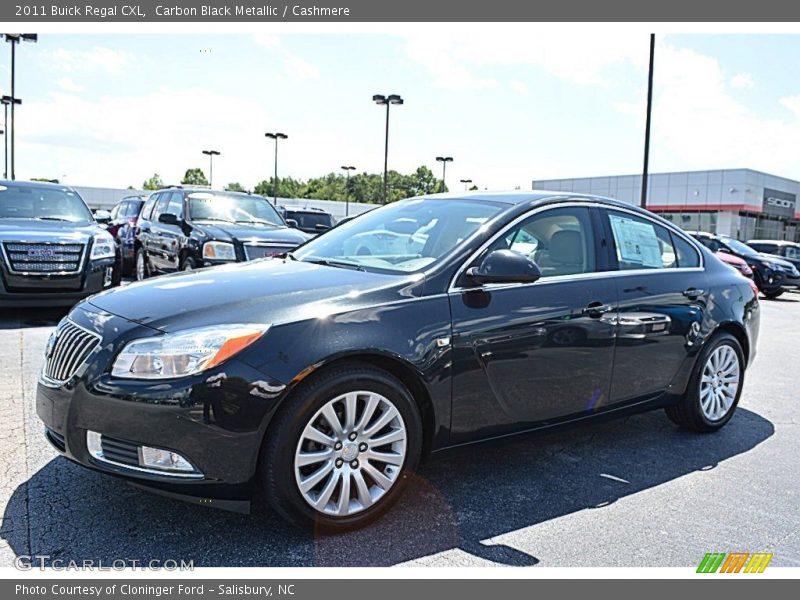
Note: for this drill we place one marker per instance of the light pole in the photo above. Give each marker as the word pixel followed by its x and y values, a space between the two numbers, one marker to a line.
pixel 14 39
pixel 347 190
pixel 381 100
pixel 466 182
pixel 647 121
pixel 6 100
pixel 211 154
pixel 444 160
pixel 276 137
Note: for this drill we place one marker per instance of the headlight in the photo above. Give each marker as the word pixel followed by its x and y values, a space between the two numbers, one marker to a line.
pixel 770 265
pixel 219 251
pixel 103 246
pixel 185 352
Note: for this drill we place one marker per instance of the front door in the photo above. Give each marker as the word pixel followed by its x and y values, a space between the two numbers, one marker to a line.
pixel 525 355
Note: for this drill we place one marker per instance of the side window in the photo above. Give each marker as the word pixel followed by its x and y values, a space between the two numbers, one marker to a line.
pixel 175 204
pixel 148 207
pixel 641 244
pixel 161 205
pixel 115 211
pixel 791 252
pixel 560 241
pixel 687 254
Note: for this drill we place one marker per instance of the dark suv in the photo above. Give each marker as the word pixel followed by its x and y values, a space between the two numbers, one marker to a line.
pixel 788 251
pixel 181 229
pixel 772 274
pixel 53 251
pixel 309 220
pixel 124 218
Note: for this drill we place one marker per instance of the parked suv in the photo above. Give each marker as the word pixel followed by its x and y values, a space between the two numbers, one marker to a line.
pixel 309 220
pixel 772 274
pixel 122 225
pixel 789 251
pixel 53 251
pixel 181 229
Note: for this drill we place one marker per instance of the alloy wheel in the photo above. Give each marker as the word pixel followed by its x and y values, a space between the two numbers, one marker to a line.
pixel 140 268
pixel 719 382
pixel 350 453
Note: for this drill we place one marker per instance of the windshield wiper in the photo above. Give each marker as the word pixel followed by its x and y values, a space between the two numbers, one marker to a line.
pixel 259 221
pixel 215 219
pixel 335 263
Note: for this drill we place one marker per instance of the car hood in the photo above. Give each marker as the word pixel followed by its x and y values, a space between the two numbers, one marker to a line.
pixel 270 291
pixel 775 259
pixel 245 233
pixel 33 230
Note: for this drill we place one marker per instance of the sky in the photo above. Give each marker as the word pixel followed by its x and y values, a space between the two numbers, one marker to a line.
pixel 508 103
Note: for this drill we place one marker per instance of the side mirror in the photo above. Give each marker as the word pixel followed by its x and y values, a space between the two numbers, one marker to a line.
pixel 292 223
pixel 102 216
pixel 168 219
pixel 505 266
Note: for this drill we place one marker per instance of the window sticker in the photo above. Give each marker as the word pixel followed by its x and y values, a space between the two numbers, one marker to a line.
pixel 637 242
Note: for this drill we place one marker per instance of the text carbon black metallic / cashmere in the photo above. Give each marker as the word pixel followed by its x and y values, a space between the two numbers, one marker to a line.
pixel 325 375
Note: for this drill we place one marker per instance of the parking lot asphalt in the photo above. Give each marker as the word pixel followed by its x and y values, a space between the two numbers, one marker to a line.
pixel 634 492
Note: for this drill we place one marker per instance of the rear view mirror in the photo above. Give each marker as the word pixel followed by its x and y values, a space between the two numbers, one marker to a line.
pixel 102 216
pixel 292 223
pixel 403 225
pixel 505 266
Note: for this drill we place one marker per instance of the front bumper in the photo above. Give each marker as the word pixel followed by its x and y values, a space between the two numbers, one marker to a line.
pixel 216 420
pixel 22 291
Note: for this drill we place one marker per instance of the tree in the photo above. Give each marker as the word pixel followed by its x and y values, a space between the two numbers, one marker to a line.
pixel 235 187
pixel 44 179
pixel 473 188
pixel 154 183
pixel 287 188
pixel 194 176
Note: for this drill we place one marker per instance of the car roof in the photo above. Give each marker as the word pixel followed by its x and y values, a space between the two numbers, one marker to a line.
pixel 35 184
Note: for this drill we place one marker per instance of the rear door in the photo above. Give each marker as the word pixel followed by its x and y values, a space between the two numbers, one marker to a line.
pixel 168 237
pixel 662 293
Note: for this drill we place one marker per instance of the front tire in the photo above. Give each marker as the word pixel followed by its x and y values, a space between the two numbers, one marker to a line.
pixel 772 294
pixel 188 264
pixel 142 271
pixel 341 449
pixel 715 387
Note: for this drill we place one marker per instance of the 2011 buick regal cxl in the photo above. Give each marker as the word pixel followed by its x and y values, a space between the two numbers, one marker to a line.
pixel 325 375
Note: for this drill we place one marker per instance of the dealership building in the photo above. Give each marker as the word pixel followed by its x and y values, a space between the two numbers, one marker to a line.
pixel 742 203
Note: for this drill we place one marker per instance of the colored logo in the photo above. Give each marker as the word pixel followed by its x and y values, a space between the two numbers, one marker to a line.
pixel 734 562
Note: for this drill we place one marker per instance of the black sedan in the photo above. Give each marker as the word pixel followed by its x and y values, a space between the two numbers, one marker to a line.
pixel 323 377
pixel 182 229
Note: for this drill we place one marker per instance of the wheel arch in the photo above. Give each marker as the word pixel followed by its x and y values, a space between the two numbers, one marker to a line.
pixel 738 331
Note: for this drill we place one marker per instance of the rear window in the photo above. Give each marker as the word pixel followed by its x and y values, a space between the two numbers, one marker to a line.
pixel 306 220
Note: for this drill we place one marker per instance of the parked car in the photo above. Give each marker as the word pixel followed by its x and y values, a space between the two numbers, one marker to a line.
pixel 324 377
pixel 181 229
pixel 735 262
pixel 54 253
pixel 788 251
pixel 772 274
pixel 310 220
pixel 123 221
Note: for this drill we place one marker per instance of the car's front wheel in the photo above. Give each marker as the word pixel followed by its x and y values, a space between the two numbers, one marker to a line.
pixel 715 386
pixel 342 448
pixel 772 294
pixel 142 272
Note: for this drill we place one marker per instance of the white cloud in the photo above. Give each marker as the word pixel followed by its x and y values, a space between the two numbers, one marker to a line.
pixel 520 87
pixel 68 85
pixel 295 66
pixel 742 81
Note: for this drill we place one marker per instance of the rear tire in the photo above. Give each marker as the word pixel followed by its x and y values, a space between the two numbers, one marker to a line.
pixel 141 269
pixel 356 487
pixel 714 388
pixel 772 295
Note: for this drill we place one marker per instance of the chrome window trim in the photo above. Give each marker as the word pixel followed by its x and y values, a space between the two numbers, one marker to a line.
pixel 81 260
pixel 578 276
pixel 54 383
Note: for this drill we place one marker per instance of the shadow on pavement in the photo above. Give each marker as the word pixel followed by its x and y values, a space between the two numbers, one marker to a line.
pixel 457 501
pixel 19 318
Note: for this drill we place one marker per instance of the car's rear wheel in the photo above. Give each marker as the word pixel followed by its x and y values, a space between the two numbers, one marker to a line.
pixel 341 449
pixel 142 272
pixel 772 294
pixel 715 386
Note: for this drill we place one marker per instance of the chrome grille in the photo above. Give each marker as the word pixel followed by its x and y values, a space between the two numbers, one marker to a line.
pixel 52 258
pixel 67 351
pixel 253 251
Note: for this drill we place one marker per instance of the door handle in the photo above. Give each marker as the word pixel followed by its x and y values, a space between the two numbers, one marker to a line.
pixel 693 293
pixel 595 309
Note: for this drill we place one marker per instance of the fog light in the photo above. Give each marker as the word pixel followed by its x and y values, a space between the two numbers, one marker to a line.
pixel 155 458
pixel 94 444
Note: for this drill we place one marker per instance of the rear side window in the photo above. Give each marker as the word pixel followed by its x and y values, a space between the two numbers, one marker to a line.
pixel 687 254
pixel 791 252
pixel 641 244
pixel 148 207
pixel 768 248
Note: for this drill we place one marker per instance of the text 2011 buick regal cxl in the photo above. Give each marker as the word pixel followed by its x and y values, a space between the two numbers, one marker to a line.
pixel 324 376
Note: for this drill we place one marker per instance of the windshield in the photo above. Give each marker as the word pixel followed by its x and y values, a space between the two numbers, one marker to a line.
pixel 46 203
pixel 739 247
pixel 401 237
pixel 232 208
